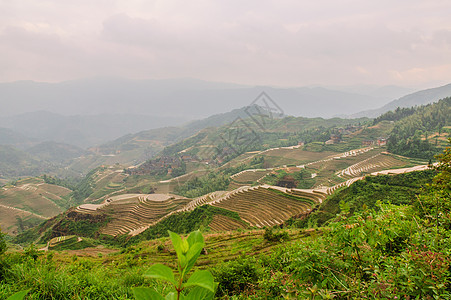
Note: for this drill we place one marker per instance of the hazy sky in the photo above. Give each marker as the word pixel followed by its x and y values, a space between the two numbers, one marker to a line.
pixel 275 42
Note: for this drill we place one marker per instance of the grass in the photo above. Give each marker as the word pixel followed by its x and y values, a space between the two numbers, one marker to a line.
pixel 220 247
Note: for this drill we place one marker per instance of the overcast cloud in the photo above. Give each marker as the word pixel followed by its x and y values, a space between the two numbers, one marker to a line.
pixel 274 42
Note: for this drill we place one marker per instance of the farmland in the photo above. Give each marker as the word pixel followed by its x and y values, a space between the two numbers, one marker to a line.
pixel 130 211
pixel 29 201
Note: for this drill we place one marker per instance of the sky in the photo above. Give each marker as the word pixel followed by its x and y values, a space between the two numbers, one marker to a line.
pixel 265 42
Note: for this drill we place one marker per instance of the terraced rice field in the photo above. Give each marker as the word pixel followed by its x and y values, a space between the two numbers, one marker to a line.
pixel 219 247
pixel 279 157
pixel 199 201
pixel 327 168
pixel 224 223
pixel 257 206
pixel 30 200
pixel 377 162
pixel 235 185
pixel 62 240
pixel 249 176
pixel 348 182
pixel 168 186
pixel 107 182
pixel 260 207
pixel 135 211
pixel 8 219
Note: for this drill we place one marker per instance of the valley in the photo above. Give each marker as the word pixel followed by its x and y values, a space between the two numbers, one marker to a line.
pixel 254 192
pixel 230 150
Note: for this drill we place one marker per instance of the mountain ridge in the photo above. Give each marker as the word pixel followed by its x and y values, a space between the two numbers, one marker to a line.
pixel 413 99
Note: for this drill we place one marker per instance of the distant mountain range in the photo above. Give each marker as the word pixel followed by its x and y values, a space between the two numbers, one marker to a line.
pixel 81 131
pixel 414 99
pixel 90 112
pixel 45 141
pixel 34 156
pixel 187 98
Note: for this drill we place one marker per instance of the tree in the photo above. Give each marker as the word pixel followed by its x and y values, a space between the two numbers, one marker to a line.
pixel 436 204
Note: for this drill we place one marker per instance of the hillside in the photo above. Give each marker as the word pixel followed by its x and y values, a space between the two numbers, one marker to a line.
pixel 56 153
pixel 229 176
pixel 15 139
pixel 15 163
pixel 286 158
pixel 424 133
pixel 83 130
pixel 415 99
pixel 365 212
pixel 118 205
pixel 67 160
pixel 28 202
pixel 154 140
pixel 248 261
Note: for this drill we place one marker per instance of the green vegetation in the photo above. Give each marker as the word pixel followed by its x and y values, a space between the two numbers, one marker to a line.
pixel 73 223
pixel 435 206
pixel 15 163
pixel 2 243
pixel 382 237
pixel 199 186
pixel 58 181
pixel 19 295
pixel 85 187
pixel 411 135
pixel 396 115
pixel 216 180
pixel 399 189
pixel 272 236
pixel 185 222
pixel 200 284
pixel 71 242
pixel 301 179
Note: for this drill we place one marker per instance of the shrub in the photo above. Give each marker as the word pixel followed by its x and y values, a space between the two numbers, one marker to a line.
pixel 236 277
pixel 272 236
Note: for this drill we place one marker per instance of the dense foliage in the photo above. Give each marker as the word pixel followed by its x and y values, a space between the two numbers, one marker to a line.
pixel 396 115
pixel 199 186
pixel 396 189
pixel 410 136
pixel 58 181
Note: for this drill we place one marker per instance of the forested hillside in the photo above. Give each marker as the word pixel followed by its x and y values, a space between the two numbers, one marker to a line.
pixel 423 133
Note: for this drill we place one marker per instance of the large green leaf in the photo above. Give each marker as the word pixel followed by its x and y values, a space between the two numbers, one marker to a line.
pixel 173 296
pixel 195 237
pixel 160 271
pixel 141 293
pixel 199 293
pixel 176 242
pixel 18 295
pixel 193 255
pixel 201 278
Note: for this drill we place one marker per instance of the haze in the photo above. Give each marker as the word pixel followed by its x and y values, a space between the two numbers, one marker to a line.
pixel 278 43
